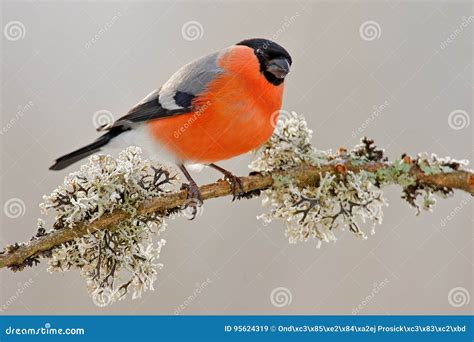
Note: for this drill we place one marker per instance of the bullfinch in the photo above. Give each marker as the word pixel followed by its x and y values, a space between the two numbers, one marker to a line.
pixel 217 107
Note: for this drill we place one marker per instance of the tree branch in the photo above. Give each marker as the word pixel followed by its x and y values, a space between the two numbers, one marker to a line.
pixel 18 254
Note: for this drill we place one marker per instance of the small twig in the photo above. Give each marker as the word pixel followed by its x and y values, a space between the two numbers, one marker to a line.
pixel 303 175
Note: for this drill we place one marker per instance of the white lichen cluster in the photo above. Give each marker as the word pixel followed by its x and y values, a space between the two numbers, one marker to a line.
pixel 314 211
pixel 432 164
pixel 125 259
pixel 289 146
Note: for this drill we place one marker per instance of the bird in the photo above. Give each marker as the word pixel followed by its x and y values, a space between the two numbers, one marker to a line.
pixel 214 108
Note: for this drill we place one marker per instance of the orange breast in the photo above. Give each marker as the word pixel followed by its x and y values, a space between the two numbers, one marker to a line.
pixel 235 115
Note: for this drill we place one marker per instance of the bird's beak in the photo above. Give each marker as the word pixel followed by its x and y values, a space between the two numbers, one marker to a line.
pixel 279 67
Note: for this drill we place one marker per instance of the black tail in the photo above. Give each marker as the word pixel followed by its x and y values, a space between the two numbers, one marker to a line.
pixel 81 153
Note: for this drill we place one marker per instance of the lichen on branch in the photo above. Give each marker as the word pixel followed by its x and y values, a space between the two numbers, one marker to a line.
pixel 347 197
pixel 315 210
pixel 110 214
pixel 112 262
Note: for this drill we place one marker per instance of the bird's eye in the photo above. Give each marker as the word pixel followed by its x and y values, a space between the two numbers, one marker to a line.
pixel 259 52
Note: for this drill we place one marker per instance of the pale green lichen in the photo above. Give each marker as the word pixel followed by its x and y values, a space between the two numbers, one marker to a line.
pixel 432 164
pixel 341 199
pixel 315 211
pixel 396 173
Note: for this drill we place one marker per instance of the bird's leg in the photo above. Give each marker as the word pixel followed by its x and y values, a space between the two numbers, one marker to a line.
pixel 234 181
pixel 194 199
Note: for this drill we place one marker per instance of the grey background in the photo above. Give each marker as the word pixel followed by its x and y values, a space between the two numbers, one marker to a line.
pixel 336 79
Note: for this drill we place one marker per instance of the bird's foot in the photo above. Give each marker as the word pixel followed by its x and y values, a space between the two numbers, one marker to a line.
pixel 236 185
pixel 191 207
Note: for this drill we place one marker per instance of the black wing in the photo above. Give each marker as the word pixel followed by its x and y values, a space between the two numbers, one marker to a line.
pixel 150 108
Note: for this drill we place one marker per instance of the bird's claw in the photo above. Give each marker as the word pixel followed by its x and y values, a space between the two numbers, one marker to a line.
pixel 193 201
pixel 236 185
